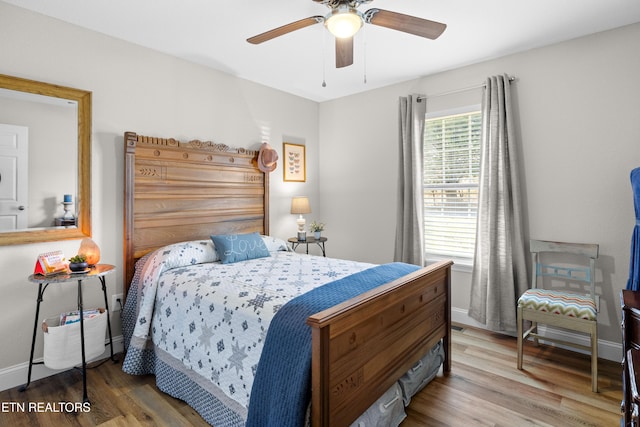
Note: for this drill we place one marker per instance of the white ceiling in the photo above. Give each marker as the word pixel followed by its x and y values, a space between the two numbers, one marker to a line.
pixel 214 32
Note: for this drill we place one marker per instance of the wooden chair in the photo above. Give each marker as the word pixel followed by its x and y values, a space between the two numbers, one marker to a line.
pixel 573 310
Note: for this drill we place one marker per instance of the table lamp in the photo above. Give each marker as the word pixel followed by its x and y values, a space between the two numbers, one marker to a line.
pixel 300 205
pixel 90 250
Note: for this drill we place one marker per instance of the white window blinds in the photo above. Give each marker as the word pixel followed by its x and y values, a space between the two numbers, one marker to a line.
pixel 451 170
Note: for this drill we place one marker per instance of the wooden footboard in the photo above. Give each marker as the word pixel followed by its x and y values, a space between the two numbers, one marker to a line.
pixel 362 346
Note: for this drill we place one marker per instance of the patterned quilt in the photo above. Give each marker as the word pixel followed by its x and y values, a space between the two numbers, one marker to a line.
pixel 208 321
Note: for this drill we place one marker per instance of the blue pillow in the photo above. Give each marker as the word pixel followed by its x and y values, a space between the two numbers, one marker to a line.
pixel 239 247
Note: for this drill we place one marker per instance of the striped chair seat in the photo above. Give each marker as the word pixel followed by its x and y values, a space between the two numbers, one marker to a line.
pixel 558 302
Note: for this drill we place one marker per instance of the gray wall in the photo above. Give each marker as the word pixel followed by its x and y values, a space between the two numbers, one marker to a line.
pixel 140 90
pixel 578 122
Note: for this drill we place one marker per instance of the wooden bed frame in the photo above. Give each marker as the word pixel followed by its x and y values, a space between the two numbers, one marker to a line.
pixel 179 191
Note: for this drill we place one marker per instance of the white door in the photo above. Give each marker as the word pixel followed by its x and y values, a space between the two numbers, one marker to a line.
pixel 14 185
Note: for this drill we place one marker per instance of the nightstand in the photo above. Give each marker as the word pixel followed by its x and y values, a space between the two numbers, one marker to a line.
pixel 98 271
pixel 320 242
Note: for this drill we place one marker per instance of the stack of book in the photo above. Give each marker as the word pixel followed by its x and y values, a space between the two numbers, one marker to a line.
pixel 74 316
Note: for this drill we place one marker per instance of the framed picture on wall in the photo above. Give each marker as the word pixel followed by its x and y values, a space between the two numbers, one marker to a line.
pixel 294 162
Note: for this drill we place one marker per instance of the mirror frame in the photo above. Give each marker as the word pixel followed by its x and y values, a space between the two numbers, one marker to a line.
pixel 83 197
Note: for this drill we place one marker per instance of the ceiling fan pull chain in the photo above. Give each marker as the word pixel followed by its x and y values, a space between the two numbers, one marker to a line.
pixel 364 53
pixel 324 58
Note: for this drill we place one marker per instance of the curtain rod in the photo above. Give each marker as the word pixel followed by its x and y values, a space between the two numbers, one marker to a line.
pixel 451 92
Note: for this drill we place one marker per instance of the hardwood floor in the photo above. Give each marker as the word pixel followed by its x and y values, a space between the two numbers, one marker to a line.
pixel 484 388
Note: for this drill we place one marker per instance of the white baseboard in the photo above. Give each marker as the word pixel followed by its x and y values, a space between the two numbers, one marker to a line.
pixel 16 375
pixel 606 349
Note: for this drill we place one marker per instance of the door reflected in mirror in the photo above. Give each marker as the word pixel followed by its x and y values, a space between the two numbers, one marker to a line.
pixel 45 164
pixel 38 152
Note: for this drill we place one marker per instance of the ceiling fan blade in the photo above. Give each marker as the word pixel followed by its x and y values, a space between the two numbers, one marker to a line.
pixel 344 52
pixel 285 29
pixel 405 23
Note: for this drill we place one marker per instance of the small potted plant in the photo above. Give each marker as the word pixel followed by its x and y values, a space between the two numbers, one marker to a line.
pixel 316 228
pixel 78 263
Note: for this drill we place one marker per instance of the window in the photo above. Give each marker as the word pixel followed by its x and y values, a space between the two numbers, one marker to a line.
pixel 451 173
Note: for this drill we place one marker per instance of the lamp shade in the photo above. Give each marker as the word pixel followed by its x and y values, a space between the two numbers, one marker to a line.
pixel 344 22
pixel 300 205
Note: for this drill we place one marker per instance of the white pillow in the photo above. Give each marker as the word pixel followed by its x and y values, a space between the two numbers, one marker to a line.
pixel 275 244
pixel 195 252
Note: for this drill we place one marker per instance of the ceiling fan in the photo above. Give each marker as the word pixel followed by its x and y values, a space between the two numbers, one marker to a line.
pixel 344 20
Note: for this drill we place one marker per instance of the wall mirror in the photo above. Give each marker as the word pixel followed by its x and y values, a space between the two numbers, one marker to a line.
pixel 45 162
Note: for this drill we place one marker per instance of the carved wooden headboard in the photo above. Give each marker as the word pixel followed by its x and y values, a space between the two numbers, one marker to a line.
pixel 178 191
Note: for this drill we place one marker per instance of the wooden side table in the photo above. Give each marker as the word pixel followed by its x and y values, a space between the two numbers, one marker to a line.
pixel 310 239
pixel 98 271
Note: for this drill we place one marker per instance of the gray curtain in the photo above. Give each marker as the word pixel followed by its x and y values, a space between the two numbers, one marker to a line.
pixel 409 227
pixel 499 273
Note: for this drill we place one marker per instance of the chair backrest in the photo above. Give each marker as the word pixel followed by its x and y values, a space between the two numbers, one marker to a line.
pixel 568 273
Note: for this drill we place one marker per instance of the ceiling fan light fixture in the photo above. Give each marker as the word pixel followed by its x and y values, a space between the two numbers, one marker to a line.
pixel 344 21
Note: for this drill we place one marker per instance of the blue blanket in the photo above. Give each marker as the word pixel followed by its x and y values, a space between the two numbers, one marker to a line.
pixel 281 389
